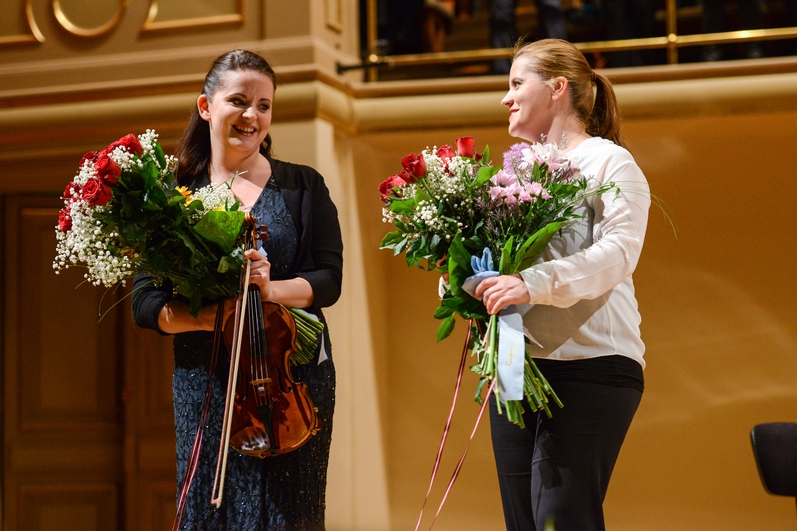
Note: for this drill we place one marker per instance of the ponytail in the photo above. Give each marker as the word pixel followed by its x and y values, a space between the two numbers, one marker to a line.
pixel 604 118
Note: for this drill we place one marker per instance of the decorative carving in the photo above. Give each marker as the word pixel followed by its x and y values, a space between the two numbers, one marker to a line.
pixel 183 22
pixel 74 29
pixel 34 35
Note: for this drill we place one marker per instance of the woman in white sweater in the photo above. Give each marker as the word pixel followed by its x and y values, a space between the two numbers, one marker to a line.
pixel 583 310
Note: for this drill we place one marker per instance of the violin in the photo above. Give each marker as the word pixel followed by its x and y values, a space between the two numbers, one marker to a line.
pixel 267 412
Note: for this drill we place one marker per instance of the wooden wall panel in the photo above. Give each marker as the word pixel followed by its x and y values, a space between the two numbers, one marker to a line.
pixel 149 429
pixel 63 429
pixel 57 508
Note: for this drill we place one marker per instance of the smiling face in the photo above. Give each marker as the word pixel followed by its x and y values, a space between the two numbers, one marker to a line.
pixel 530 102
pixel 239 112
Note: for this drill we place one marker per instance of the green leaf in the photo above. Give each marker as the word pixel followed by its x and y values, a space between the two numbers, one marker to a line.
pixel 442 312
pixel 150 174
pixel 400 246
pixel 157 262
pixel 133 233
pixel 465 305
pixel 154 199
pixel 485 174
pixel 221 227
pixel 173 197
pixel 195 303
pixel 391 239
pixel 486 155
pixel 446 327
pixel 161 158
pixel 505 262
pixel 533 247
pixel 478 397
pixel 458 264
pixel 404 207
pixel 224 264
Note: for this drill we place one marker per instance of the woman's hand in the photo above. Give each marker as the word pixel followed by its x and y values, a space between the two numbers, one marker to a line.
pixel 260 274
pixel 502 291
pixel 296 292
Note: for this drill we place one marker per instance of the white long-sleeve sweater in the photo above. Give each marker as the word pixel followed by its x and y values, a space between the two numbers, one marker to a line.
pixel 582 294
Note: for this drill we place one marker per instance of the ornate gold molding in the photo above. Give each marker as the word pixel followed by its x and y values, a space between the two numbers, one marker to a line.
pixel 152 25
pixel 74 29
pixel 35 35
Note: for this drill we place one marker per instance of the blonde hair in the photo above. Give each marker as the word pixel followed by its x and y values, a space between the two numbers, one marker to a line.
pixel 597 109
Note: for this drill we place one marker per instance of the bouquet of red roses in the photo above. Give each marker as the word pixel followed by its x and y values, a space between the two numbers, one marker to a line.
pixel 123 215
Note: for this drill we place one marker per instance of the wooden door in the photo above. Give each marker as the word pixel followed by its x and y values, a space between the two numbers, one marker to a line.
pixel 88 438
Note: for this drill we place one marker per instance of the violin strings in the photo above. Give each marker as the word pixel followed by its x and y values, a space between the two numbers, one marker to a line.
pixel 255 341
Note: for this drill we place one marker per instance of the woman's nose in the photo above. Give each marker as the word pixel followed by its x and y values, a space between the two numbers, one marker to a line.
pixel 249 112
pixel 507 100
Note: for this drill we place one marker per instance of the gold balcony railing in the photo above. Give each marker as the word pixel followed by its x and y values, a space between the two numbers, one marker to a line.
pixel 671 42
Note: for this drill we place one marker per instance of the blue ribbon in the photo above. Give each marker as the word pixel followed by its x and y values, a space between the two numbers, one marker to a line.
pixel 511 347
pixel 482 268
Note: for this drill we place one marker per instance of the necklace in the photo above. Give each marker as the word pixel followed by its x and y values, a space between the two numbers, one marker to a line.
pixel 563 144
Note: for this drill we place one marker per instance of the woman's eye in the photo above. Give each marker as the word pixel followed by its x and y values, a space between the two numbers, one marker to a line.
pixel 264 108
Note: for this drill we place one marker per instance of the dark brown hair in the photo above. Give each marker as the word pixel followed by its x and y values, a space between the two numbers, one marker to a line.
pixel 597 110
pixel 193 150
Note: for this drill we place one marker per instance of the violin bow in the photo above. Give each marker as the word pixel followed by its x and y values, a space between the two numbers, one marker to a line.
pixel 232 382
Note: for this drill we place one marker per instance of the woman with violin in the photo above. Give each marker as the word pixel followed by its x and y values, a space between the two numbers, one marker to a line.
pixel 299 265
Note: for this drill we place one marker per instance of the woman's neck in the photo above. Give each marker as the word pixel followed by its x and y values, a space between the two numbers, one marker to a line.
pixel 247 177
pixel 567 133
pixel 224 167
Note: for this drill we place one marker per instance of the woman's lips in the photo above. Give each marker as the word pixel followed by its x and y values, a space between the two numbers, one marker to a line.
pixel 244 130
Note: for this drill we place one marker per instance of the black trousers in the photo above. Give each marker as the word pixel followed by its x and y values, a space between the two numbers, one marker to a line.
pixel 556 471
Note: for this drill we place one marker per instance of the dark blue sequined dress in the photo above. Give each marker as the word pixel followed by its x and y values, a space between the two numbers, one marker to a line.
pixel 281 493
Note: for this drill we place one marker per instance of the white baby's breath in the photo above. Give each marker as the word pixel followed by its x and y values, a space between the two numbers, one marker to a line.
pixel 214 197
pixel 88 242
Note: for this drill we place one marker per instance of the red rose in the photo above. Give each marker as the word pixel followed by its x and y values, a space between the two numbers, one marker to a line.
pixel 107 170
pixel 129 142
pixel 70 190
pixel 398 180
pixel 465 147
pixel 445 152
pixel 96 193
pixel 91 156
pixel 64 221
pixel 415 165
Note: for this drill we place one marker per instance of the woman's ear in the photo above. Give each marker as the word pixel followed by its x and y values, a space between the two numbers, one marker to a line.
pixel 203 105
pixel 559 87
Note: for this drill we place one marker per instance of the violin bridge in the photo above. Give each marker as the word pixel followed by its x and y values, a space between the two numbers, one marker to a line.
pixel 260 385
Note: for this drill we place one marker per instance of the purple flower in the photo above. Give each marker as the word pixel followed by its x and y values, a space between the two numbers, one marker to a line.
pixel 514 156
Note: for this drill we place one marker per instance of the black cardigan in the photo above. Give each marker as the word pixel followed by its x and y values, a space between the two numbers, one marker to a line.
pixel 319 259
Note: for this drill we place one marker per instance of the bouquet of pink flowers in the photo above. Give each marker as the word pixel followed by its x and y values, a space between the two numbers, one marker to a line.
pixel 123 215
pixel 469 220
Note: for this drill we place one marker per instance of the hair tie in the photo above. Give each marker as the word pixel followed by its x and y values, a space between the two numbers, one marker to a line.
pixel 593 76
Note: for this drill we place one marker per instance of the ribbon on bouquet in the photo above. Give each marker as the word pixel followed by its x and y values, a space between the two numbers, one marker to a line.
pixel 511 348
